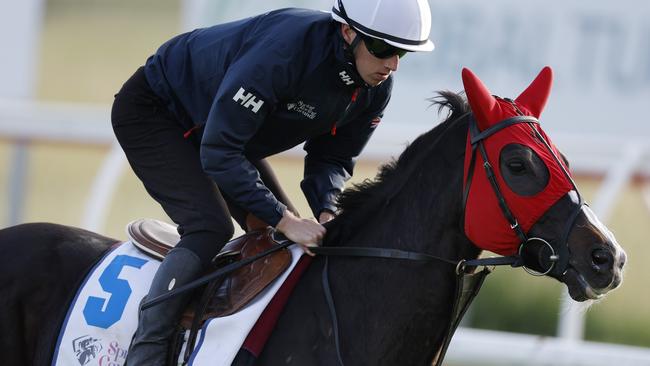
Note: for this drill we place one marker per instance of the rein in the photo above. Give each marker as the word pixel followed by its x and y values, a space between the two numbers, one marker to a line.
pixel 331 251
pixel 467 284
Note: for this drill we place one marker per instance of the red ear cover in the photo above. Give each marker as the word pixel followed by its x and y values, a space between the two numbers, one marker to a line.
pixel 480 99
pixel 488 111
pixel 534 98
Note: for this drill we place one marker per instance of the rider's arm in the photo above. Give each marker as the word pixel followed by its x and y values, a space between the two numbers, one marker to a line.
pixel 239 108
pixel 246 94
pixel 331 158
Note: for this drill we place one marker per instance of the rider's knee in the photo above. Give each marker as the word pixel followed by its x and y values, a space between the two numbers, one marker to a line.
pixel 206 244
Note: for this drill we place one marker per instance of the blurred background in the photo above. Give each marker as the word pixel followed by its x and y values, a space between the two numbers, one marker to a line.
pixel 63 60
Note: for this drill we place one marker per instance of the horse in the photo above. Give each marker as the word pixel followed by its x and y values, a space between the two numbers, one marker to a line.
pixel 389 311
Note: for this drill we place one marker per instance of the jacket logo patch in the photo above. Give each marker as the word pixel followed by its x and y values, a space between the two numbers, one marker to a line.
pixel 346 78
pixel 248 100
pixel 303 108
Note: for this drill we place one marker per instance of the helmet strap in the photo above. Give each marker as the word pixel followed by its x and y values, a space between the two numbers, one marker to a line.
pixel 352 46
pixel 351 63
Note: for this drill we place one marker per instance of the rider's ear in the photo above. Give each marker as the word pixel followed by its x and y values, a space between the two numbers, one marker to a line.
pixel 348 33
pixel 535 96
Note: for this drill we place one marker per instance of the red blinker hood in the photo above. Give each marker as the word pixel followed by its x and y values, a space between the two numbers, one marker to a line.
pixel 485 223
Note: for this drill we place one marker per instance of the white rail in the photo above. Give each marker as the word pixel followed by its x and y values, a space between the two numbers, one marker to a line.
pixel 490 348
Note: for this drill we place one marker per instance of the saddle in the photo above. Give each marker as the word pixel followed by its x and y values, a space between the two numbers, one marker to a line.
pixel 224 296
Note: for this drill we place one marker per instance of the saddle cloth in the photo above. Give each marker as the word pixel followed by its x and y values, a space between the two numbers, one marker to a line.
pixel 102 317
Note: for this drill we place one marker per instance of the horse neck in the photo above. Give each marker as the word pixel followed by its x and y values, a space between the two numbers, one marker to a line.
pixel 416 205
pixel 405 303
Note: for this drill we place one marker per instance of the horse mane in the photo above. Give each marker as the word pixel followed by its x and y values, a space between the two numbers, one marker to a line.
pixel 362 199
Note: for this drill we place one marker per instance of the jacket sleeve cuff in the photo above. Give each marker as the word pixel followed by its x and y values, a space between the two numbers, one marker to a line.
pixel 319 203
pixel 329 202
pixel 273 216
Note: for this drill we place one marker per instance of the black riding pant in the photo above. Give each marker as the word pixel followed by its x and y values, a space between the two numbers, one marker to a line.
pixel 169 166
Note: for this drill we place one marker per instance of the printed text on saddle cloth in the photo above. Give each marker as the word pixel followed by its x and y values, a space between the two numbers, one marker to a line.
pixel 485 223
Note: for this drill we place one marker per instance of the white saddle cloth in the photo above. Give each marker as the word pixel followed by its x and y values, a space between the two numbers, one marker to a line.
pixel 104 314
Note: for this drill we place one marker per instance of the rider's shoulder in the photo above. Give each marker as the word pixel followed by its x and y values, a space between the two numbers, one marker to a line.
pixel 293 32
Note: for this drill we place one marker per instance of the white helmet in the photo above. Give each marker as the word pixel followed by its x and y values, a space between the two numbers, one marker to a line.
pixel 401 23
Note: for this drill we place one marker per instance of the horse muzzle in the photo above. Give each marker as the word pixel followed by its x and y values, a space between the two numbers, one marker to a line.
pixel 596 262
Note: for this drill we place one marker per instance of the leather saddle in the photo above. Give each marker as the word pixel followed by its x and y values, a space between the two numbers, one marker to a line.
pixel 223 296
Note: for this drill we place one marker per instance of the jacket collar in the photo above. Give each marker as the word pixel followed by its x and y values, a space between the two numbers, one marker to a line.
pixel 346 70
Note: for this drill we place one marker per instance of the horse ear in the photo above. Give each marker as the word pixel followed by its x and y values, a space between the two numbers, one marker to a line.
pixel 535 96
pixel 480 99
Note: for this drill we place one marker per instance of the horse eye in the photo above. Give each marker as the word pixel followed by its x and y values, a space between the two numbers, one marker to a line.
pixel 517 167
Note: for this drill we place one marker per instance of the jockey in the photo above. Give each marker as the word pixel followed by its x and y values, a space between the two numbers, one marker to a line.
pixel 198 119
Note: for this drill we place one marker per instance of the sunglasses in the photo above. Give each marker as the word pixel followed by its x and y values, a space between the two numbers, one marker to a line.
pixel 380 49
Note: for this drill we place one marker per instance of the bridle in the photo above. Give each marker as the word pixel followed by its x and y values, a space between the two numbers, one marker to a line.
pixel 555 260
pixel 552 256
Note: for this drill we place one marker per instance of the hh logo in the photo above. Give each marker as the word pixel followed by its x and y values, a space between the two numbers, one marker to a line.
pixel 248 100
pixel 346 78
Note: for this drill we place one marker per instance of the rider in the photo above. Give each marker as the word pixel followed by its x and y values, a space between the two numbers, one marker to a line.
pixel 197 120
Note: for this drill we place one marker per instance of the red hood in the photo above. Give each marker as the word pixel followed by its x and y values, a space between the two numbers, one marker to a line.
pixel 485 223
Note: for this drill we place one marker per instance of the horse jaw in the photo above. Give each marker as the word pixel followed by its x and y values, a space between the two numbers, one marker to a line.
pixel 579 289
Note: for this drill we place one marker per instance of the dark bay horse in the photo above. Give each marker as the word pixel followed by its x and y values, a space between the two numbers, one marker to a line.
pixel 389 311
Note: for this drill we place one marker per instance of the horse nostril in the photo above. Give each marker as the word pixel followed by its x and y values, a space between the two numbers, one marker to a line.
pixel 601 257
pixel 623 260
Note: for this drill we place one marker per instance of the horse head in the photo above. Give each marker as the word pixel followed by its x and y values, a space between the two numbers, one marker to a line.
pixel 519 196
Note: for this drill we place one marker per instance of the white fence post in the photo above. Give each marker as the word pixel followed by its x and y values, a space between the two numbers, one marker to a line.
pixel 571 322
pixel 20 26
pixel 17 181
pixel 103 189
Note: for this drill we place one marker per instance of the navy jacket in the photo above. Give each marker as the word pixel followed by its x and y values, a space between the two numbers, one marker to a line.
pixel 261 85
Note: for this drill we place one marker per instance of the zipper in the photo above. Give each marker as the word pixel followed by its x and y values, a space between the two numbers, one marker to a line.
pixel 191 130
pixel 353 99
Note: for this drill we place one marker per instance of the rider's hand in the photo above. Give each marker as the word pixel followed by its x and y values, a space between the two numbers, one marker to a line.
pixel 305 232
